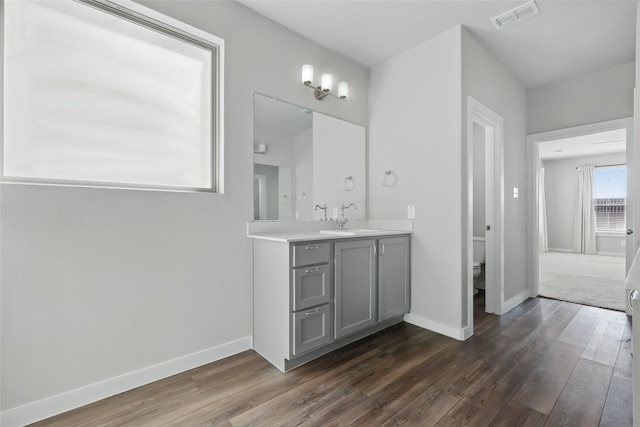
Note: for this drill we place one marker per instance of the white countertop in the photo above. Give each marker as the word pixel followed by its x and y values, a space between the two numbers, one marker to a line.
pixel 304 236
pixel 302 231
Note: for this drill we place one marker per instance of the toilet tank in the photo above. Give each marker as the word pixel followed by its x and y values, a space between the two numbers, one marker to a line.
pixel 479 244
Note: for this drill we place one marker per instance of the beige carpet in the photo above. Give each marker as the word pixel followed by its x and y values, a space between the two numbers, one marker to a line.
pixel 585 279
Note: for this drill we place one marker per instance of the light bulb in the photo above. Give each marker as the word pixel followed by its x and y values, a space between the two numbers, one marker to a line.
pixel 327 82
pixel 307 74
pixel 343 90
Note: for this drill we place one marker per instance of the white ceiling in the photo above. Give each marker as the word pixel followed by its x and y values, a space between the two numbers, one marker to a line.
pixel 567 38
pixel 614 141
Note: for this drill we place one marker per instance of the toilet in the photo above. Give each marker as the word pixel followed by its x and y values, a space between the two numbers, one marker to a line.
pixel 478 259
pixel 477 269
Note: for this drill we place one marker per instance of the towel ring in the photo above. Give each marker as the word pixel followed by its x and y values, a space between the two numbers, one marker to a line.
pixel 349 183
pixel 389 179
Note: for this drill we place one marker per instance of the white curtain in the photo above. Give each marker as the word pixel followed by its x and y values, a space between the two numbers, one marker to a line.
pixel 542 214
pixel 584 229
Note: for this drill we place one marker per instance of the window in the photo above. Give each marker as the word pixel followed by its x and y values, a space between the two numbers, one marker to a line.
pixel 609 198
pixel 109 94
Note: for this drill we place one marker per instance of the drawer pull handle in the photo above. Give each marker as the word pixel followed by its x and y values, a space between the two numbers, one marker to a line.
pixel 313 270
pixel 312 313
pixel 308 248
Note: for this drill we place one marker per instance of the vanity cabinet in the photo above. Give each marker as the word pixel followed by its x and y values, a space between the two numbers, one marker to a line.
pixel 312 297
pixel 311 275
pixel 310 309
pixel 355 286
pixel 369 272
pixel 394 285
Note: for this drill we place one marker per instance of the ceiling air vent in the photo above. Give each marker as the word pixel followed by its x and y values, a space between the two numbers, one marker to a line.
pixel 515 15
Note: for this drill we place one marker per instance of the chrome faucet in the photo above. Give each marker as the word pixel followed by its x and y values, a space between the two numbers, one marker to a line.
pixel 342 221
pixel 324 208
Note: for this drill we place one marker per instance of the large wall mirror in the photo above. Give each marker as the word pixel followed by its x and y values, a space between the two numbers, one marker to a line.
pixel 302 159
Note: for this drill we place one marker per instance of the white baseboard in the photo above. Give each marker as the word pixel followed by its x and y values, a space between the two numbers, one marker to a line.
pixel 618 254
pixel 466 333
pixel 561 250
pixel 513 302
pixel 54 405
pixel 449 331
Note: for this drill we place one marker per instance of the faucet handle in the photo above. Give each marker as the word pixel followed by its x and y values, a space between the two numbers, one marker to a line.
pixel 324 208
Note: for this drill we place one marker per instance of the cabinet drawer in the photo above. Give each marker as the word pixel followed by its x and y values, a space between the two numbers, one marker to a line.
pixel 310 286
pixel 311 253
pixel 311 329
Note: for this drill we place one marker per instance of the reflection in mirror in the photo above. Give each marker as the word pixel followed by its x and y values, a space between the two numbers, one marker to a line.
pixel 302 159
pixel 272 192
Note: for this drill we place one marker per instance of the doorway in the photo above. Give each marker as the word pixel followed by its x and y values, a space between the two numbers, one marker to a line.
pixel 579 256
pixel 485 145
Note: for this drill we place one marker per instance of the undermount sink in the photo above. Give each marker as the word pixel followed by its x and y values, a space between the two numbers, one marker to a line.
pixel 349 232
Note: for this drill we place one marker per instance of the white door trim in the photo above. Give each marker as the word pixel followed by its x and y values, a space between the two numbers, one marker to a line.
pixel 494 267
pixel 262 195
pixel 532 201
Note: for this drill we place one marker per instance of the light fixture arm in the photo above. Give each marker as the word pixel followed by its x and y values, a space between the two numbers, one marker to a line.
pixel 319 93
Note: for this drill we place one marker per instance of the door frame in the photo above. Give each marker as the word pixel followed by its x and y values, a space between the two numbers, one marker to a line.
pixel 494 265
pixel 533 142
pixel 262 195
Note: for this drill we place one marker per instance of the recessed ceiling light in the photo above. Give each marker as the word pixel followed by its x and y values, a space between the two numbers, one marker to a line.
pixel 517 14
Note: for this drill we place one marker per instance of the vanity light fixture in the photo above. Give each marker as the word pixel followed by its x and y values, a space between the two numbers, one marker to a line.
pixel 326 84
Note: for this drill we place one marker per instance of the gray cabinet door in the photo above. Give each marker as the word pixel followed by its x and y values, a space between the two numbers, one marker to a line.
pixel 355 286
pixel 310 286
pixel 394 286
pixel 311 329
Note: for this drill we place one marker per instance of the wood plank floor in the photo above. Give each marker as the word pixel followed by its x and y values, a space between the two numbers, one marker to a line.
pixel 545 363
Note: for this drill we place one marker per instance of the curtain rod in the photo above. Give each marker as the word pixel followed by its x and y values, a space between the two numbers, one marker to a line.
pixel 607 166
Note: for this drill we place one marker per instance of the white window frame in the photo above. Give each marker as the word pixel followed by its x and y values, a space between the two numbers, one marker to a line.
pixel 134 12
pixel 608 232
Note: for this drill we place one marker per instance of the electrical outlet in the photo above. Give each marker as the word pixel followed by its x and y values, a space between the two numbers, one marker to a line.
pixel 411 211
pixel 515 192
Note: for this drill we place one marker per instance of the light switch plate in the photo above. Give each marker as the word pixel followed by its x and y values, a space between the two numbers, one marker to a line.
pixel 515 192
pixel 411 211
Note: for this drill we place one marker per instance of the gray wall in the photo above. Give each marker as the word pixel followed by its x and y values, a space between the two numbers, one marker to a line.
pixel 98 283
pixel 561 191
pixel 591 98
pixel 414 130
pixel 304 173
pixel 486 80
pixel 428 154
pixel 280 148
